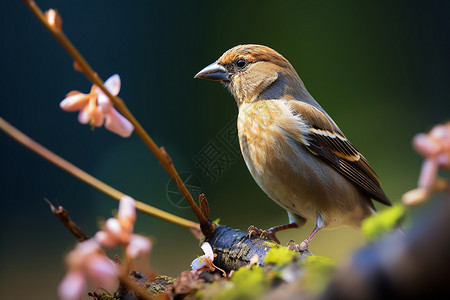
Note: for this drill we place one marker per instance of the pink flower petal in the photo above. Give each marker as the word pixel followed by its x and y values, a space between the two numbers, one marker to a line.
pixel 117 123
pixel 103 272
pixel 75 259
pixel 72 286
pixel 75 102
pixel 97 117
pixel 127 209
pixel 113 226
pixel 197 263
pixel 106 240
pixel 200 261
pixel 84 117
pixel 104 103
pixel 91 113
pixel 428 173
pixel 112 84
pixel 425 146
pixel 206 247
pixel 439 132
pixel 138 245
pixel 88 247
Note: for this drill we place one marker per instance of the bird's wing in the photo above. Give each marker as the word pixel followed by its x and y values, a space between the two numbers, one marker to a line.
pixel 327 141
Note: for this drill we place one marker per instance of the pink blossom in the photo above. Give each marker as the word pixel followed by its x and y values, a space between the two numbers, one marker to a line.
pixel 435 148
pixel 127 211
pixel 138 245
pixel 205 262
pixel 87 260
pixel 205 259
pixel 102 272
pixel 72 286
pixel 119 231
pixel 96 108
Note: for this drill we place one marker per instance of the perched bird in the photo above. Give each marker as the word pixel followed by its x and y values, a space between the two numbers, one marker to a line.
pixel 293 149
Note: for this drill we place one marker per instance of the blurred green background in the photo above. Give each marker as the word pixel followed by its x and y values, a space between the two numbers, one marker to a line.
pixel 380 68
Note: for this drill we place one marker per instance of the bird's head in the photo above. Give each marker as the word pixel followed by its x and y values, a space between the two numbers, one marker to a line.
pixel 255 72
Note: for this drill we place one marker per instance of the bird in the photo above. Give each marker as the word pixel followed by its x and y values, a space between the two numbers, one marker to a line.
pixel 293 149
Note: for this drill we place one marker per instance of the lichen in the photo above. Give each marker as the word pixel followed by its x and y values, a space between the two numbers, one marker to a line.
pixel 160 284
pixel 280 256
pixel 378 225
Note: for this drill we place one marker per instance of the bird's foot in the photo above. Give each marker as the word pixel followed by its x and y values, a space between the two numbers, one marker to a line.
pixel 269 234
pixel 302 248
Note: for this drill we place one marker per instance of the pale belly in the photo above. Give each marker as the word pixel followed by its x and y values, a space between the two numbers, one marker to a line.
pixel 293 177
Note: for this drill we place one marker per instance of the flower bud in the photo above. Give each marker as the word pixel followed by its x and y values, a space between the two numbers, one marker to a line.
pixel 54 19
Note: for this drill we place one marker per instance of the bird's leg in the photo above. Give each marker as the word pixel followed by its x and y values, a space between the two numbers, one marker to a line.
pixel 319 224
pixel 305 243
pixel 270 233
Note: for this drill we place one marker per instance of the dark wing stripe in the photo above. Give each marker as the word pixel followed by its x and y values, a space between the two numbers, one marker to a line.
pixel 327 141
pixel 356 175
pixel 363 164
pixel 317 148
pixel 341 148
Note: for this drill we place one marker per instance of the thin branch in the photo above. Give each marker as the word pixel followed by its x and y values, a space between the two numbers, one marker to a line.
pixel 62 214
pixel 89 179
pixel 165 161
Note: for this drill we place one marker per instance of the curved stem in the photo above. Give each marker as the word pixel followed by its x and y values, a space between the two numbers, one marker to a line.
pixel 89 179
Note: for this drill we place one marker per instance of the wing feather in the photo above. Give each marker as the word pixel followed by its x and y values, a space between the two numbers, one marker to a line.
pixel 327 141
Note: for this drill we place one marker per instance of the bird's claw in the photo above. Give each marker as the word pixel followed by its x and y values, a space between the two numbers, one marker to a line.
pixel 301 248
pixel 269 234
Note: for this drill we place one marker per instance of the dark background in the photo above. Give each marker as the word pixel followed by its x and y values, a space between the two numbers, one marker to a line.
pixel 380 68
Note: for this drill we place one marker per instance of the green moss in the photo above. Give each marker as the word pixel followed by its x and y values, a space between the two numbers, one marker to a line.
pixel 248 284
pixel 319 263
pixel 250 277
pixel 280 256
pixel 318 272
pixel 244 284
pixel 376 226
pixel 270 244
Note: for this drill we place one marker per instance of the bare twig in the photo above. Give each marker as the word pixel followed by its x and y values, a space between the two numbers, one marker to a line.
pixel 63 216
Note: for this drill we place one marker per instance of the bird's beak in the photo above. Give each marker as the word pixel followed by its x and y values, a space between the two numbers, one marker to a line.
pixel 214 72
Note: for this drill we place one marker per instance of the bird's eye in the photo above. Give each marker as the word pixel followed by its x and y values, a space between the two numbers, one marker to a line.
pixel 240 63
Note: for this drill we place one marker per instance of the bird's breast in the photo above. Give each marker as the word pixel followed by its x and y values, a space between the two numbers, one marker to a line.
pixel 273 161
pixel 265 130
pixel 272 140
pixel 258 133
